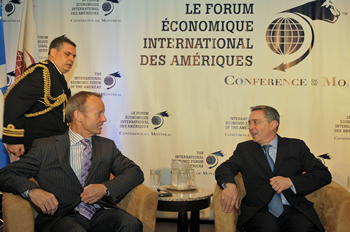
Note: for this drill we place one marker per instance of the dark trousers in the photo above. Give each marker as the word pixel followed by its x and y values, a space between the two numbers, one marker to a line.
pixel 291 220
pixel 106 220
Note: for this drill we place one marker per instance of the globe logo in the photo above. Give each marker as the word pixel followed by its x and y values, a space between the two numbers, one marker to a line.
pixel 211 160
pixel 11 7
pixel 285 36
pixel 10 78
pixel 107 6
pixel 156 120
pixel 109 80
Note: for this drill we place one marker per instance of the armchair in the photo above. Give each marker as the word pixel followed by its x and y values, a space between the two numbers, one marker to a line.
pixel 332 204
pixel 18 214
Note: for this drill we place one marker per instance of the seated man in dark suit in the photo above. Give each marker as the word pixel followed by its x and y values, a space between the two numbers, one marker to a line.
pixel 277 173
pixel 73 170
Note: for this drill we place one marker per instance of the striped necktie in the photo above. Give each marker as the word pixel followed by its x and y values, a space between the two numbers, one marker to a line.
pixel 85 209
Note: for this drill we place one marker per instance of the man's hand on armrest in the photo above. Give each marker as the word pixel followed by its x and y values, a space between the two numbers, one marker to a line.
pixel 46 201
pixel 229 198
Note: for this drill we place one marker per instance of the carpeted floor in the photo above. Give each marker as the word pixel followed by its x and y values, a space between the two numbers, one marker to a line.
pixel 171 226
pixel 166 225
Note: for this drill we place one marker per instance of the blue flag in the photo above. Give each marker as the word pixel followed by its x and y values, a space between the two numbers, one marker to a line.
pixel 4 158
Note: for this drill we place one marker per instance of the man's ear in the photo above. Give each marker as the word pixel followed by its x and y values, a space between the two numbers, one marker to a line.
pixel 274 124
pixel 78 115
pixel 53 52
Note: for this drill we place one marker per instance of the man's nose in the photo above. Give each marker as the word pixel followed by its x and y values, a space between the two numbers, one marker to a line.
pixel 104 119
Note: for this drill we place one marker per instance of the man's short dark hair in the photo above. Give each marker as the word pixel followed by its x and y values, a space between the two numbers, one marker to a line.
pixel 270 113
pixel 77 102
pixel 57 43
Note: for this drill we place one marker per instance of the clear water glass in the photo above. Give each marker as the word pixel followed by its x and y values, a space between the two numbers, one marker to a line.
pixel 192 178
pixel 182 179
pixel 155 179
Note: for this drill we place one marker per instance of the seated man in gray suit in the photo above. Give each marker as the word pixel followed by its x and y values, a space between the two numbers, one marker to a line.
pixel 73 172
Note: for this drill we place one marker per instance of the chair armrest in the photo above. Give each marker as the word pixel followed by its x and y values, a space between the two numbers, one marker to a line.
pixel 227 221
pixel 332 204
pixel 142 203
pixel 223 221
pixel 17 213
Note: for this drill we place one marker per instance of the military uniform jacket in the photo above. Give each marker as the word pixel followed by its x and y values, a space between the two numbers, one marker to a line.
pixel 34 105
pixel 48 162
pixel 292 160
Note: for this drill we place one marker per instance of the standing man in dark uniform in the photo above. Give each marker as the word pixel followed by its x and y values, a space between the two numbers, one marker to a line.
pixel 35 103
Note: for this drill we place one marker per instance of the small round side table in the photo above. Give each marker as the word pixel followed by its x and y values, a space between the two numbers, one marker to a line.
pixel 183 201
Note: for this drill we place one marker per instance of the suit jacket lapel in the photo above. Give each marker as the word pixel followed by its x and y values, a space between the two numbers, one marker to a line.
pixel 281 153
pixel 63 153
pixel 260 156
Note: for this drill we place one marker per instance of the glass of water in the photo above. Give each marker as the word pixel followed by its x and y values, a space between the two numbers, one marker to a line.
pixel 182 179
pixel 191 178
pixel 155 179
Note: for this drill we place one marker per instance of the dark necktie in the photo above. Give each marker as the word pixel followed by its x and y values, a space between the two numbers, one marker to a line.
pixel 85 209
pixel 275 206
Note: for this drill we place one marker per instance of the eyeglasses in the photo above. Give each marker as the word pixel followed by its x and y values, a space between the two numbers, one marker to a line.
pixel 256 122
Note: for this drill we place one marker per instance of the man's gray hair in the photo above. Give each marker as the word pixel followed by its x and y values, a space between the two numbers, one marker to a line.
pixel 270 113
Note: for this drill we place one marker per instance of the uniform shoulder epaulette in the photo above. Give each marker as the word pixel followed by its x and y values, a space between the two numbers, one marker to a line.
pixel 28 71
pixel 49 101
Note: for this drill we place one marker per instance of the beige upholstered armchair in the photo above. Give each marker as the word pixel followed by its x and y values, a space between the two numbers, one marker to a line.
pixel 141 202
pixel 332 204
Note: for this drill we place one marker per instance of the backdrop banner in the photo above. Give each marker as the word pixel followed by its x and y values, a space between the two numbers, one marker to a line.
pixel 179 76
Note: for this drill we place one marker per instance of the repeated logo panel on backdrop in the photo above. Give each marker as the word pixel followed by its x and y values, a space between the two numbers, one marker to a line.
pixel 178 77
